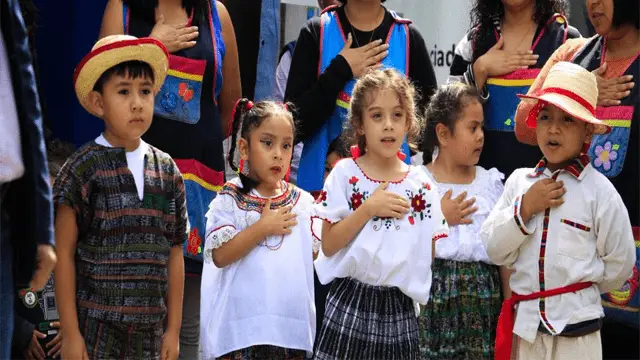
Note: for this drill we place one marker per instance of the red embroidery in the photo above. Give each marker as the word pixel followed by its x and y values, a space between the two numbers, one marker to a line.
pixel 193 246
pixel 322 198
pixel 353 180
pixel 185 92
pixel 356 201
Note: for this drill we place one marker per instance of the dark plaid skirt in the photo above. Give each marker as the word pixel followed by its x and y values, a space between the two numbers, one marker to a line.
pixel 460 320
pixel 264 352
pixel 367 322
pixel 106 341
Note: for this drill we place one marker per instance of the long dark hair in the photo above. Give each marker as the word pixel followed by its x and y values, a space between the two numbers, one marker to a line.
pixel 146 9
pixel 248 116
pixel 445 107
pixel 484 12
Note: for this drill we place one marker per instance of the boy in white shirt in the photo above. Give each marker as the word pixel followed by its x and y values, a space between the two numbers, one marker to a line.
pixel 562 227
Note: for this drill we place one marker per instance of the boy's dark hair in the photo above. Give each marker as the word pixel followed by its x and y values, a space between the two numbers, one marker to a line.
pixel 445 107
pixel 245 119
pixel 626 12
pixel 57 154
pixel 132 69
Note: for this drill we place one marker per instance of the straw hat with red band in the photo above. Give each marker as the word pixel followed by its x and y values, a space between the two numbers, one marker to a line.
pixel 116 49
pixel 572 89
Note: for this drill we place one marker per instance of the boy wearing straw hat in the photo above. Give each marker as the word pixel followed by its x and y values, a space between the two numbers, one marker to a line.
pixel 562 227
pixel 120 215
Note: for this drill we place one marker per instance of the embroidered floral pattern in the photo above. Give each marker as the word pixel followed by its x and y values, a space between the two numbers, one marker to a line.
pixel 195 241
pixel 322 198
pixel 357 197
pixel 221 235
pixel 605 155
pixel 185 92
pixel 420 208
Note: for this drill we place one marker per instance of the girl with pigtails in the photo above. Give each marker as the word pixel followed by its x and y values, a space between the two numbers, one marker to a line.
pixel 257 281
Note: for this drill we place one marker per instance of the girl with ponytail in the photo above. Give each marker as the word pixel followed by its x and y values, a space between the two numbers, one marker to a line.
pixel 257 280
pixel 460 319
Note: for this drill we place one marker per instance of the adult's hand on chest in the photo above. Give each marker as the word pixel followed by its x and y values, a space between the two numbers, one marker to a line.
pixel 174 37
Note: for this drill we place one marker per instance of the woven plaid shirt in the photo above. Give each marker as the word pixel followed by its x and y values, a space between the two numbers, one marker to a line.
pixel 123 242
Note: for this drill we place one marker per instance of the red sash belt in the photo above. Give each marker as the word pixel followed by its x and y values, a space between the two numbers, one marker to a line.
pixel 507 316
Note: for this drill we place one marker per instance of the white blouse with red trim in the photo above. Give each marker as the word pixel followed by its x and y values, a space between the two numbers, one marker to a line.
pixel 267 297
pixel 386 252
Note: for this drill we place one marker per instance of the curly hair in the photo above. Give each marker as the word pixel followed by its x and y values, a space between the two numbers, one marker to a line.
pixel 484 12
pixel 445 107
pixel 371 83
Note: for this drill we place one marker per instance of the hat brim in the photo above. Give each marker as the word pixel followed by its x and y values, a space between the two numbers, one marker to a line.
pixel 568 105
pixel 92 66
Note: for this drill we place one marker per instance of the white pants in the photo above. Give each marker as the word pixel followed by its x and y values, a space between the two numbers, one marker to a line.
pixel 547 347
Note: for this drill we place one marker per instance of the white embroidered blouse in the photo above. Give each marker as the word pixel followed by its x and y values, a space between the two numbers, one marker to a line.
pixel 267 297
pixel 386 252
pixel 464 242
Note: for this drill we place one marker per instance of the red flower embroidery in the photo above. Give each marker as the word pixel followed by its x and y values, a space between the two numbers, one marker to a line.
pixel 185 92
pixel 356 201
pixel 322 196
pixel 427 186
pixel 193 246
pixel 353 180
pixel 411 221
pixel 417 203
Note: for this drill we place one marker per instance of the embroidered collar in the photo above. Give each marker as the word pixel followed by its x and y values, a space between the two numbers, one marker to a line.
pixel 575 167
pixel 248 202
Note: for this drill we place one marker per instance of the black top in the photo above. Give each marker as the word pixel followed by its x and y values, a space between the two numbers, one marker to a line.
pixel 316 96
pixel 497 144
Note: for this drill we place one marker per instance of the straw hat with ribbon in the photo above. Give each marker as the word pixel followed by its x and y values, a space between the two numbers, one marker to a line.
pixel 116 49
pixel 572 89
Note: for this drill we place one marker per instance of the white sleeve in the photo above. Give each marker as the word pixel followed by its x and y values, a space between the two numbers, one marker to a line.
pixel 439 226
pixel 221 225
pixel 614 243
pixel 332 204
pixel 282 75
pixel 504 230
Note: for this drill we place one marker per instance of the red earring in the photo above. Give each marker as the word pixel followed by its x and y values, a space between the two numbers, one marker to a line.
pixel 355 151
pixel 286 177
pixel 241 168
pixel 401 155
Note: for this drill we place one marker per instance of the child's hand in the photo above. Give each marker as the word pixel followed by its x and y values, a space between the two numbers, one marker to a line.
pixel 170 346
pixel 544 194
pixel 73 347
pixel 278 221
pixel 456 210
pixel 55 345
pixel 34 351
pixel 384 204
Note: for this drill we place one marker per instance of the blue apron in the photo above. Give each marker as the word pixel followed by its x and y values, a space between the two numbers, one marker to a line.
pixel 314 153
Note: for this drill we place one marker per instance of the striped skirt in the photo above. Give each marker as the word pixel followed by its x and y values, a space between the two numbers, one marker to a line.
pixel 367 322
pixel 460 320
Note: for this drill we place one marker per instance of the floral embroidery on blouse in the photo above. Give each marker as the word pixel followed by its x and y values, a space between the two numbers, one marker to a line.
pixel 419 206
pixel 322 198
pixel 357 197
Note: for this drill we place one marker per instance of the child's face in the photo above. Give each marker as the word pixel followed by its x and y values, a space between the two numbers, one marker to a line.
pixel 467 139
pixel 560 136
pixel 332 158
pixel 125 105
pixel 384 124
pixel 269 150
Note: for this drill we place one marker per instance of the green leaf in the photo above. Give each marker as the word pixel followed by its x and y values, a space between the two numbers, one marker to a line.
pixel 421 216
pixel 615 147
pixel 508 122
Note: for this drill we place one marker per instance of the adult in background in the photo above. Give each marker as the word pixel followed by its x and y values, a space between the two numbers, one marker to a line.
pixel 191 115
pixel 334 50
pixel 509 42
pixel 614 56
pixel 26 214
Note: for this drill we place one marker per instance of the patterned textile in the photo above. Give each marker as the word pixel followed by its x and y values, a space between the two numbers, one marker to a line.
pixel 123 242
pixel 460 320
pixel 367 322
pixel 265 352
pixel 106 341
